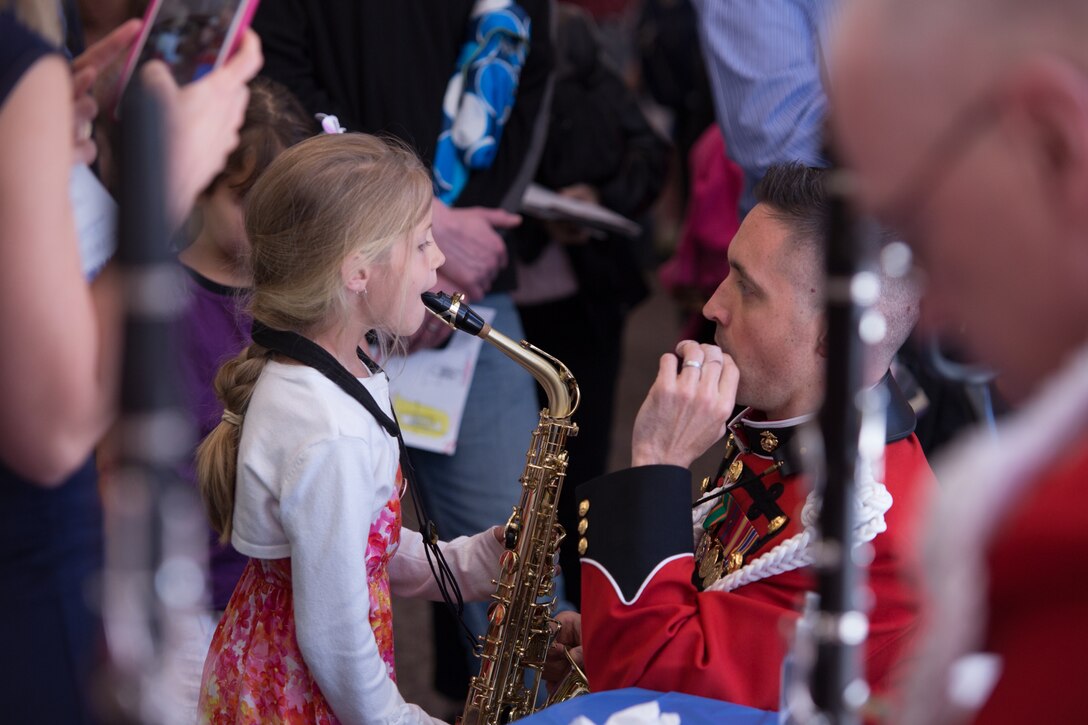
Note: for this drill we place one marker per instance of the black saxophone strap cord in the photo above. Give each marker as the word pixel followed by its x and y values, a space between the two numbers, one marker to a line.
pixel 298 348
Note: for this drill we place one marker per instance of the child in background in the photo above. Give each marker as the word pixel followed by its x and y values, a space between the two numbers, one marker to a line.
pixel 215 326
pixel 303 473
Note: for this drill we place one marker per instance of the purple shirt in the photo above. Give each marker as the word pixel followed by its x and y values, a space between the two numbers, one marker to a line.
pixel 215 328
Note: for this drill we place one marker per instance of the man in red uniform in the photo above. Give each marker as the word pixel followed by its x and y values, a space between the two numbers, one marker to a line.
pixel 987 103
pixel 716 625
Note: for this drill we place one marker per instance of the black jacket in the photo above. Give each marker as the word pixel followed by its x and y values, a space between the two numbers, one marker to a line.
pixel 381 66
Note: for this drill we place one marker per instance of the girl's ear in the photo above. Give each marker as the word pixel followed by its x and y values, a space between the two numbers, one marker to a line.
pixel 355 273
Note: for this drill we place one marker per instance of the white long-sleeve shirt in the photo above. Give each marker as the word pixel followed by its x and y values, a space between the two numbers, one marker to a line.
pixel 314 471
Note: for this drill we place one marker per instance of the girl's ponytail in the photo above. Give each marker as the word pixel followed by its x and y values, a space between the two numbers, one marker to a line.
pixel 217 455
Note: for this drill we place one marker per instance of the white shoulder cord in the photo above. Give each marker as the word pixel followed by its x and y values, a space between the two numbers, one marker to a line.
pixel 871 503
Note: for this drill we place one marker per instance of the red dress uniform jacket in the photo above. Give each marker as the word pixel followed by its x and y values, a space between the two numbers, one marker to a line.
pixel 1038 599
pixel 646 624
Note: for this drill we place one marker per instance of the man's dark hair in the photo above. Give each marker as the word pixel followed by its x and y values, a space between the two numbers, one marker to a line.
pixel 797 196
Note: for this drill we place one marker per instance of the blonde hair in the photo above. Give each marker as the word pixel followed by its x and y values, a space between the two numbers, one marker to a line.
pixel 41 16
pixel 319 202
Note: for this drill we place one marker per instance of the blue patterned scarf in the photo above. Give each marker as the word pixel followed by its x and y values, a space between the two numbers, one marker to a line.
pixel 480 93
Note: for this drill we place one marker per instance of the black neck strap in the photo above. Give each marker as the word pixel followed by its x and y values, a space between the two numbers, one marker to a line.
pixel 295 346
pixel 298 348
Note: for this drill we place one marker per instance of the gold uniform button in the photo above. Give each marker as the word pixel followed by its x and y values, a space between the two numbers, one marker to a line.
pixel 705 486
pixel 583 544
pixel 583 524
pixel 583 507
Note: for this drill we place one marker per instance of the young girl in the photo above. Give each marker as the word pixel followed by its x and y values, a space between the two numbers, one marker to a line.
pixel 215 326
pixel 303 473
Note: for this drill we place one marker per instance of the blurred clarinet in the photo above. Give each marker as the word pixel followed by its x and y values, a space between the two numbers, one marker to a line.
pixel 155 533
pixel 827 682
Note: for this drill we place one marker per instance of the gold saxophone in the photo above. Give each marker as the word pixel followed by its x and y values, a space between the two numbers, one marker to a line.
pixel 520 627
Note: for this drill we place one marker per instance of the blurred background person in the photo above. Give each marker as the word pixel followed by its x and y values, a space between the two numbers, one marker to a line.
pixel 967 124
pixel 61 368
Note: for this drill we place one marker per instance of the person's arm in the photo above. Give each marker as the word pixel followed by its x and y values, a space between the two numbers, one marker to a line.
pixel 644 624
pixel 326 511
pixel 59 365
pixel 764 65
pixel 474 561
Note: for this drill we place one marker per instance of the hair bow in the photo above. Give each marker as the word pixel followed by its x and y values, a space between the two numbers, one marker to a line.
pixel 330 123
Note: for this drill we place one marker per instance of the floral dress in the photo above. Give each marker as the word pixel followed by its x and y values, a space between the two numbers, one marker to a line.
pixel 255 672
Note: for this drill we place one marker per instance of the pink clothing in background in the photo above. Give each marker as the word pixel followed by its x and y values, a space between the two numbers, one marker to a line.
pixel 699 264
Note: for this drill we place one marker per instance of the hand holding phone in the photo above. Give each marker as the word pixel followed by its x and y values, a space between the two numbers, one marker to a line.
pixel 203 119
pixel 192 37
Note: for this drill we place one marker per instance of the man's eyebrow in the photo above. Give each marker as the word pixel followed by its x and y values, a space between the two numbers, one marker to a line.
pixel 739 269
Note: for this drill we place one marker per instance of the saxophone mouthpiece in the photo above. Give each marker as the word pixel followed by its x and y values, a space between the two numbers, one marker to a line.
pixel 454 312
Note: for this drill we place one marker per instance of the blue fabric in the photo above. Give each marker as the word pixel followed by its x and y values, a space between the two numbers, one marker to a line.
pixel 478 486
pixel 598 706
pixel 480 94
pixel 764 61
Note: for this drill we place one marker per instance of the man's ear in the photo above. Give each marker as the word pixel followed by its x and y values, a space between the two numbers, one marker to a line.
pixel 821 339
pixel 1051 96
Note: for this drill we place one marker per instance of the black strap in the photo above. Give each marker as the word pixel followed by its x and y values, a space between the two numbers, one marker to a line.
pixel 295 346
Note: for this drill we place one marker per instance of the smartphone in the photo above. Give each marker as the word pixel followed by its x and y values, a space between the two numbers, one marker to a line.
pixel 193 37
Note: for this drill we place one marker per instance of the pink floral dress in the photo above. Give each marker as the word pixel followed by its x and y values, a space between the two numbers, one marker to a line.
pixel 255 672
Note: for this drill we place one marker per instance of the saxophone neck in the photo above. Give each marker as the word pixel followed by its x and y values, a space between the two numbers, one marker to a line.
pixel 555 377
pixel 552 375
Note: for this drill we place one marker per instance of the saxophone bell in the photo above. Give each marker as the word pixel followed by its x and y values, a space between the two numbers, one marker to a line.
pixel 574 683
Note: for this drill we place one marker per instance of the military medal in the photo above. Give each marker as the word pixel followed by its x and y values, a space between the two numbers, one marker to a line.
pixel 712 559
pixel 710 568
pixel 736 468
pixel 736 561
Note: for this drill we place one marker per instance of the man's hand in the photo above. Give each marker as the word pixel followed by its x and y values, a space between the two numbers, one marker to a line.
pixel 688 406
pixel 556 665
pixel 203 119
pixel 474 250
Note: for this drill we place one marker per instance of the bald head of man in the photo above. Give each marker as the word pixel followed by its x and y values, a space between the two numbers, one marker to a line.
pixel 967 123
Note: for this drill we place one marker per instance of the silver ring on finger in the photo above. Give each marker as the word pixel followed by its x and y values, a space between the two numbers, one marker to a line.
pixel 692 364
